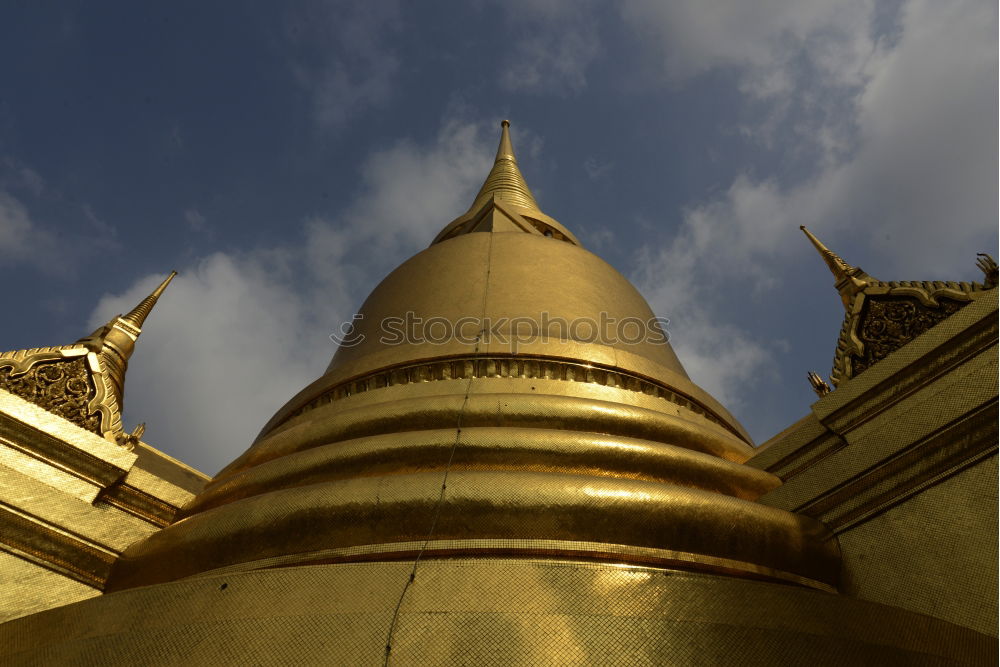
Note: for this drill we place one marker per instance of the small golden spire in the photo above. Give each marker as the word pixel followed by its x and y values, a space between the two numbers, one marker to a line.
pixel 115 342
pixel 137 315
pixel 838 267
pixel 849 279
pixel 819 385
pixel 505 149
pixel 505 202
pixel 505 180
pixel 988 266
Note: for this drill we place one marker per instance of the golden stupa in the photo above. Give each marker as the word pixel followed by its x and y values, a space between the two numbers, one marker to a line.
pixel 506 463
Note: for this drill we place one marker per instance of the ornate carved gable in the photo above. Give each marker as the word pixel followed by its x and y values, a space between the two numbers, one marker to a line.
pixel 881 317
pixel 884 316
pixel 61 384
pixel 69 381
pixel 83 382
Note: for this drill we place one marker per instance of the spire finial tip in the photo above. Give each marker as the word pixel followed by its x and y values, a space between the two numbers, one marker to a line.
pixel 138 314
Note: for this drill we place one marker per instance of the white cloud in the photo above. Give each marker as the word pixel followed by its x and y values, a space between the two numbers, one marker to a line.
pixel 410 192
pixel 30 242
pixel 194 219
pixel 920 188
pixel 348 64
pixel 237 335
pixel 14 175
pixel 725 361
pixel 799 63
pixel 22 240
pixel 598 239
pixel 926 173
pixel 226 344
pixel 597 169
pixel 764 40
pixel 682 281
pixel 556 41
pixel 922 185
pixel 102 233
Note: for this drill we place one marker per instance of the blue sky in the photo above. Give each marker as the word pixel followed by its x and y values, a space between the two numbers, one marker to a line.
pixel 285 156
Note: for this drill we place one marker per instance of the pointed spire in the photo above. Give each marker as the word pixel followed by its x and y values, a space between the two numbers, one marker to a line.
pixel 115 342
pixel 505 203
pixel 849 279
pixel 505 149
pixel 505 180
pixel 838 267
pixel 137 315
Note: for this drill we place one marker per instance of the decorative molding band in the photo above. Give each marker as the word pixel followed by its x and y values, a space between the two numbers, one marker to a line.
pixel 532 548
pixel 540 368
pixel 139 504
pixel 927 462
pixel 805 457
pixel 59 454
pixel 37 542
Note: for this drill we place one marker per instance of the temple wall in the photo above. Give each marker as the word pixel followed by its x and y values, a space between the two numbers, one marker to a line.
pixel 901 464
pixel 935 553
pixel 70 503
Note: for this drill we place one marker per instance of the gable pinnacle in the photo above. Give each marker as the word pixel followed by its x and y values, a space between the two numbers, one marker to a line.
pixel 137 315
pixel 505 181
pixel 849 279
pixel 838 267
pixel 115 341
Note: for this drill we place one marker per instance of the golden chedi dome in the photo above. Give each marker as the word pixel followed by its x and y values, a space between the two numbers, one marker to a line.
pixel 503 394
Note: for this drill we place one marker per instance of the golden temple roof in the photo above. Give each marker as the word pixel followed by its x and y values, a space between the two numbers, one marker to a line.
pixel 83 382
pixel 436 442
pixel 882 316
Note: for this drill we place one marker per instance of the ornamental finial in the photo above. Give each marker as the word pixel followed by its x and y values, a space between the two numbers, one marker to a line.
pixel 849 279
